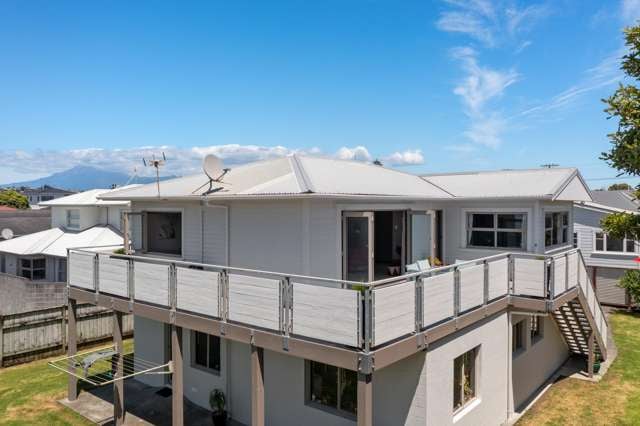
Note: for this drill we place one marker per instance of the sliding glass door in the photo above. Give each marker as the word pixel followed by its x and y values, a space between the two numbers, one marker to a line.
pixel 422 236
pixel 357 229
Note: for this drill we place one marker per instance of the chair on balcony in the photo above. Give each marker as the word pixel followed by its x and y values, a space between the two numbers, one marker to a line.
pixel 419 266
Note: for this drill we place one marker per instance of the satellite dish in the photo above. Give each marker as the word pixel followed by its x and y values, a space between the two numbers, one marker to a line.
pixel 212 167
pixel 7 234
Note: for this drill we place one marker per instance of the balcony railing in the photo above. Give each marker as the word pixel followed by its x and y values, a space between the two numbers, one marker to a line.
pixel 352 314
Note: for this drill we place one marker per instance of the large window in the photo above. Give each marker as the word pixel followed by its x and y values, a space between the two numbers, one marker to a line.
pixel 73 218
pixel 33 268
pixel 164 232
pixel 206 351
pixel 556 228
pixel 501 230
pixel 464 378
pixel 332 387
pixel 617 245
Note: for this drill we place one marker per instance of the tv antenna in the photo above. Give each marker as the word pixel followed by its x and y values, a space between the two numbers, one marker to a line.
pixel 215 171
pixel 157 163
pixel 549 165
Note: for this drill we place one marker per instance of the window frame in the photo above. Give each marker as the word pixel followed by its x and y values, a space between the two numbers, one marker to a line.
pixel 337 410
pixel 536 333
pixel 31 268
pixel 3 263
pixel 198 366
pixel 68 213
pixel 625 241
pixel 469 228
pixel 144 223
pixel 557 225
pixel 518 345
pixel 474 375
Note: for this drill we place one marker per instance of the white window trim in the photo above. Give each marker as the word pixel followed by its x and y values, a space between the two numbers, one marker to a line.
pixel 617 253
pixel 495 229
pixel 192 349
pixel 142 212
pixel 463 225
pixel 68 218
pixel 468 406
pixel 31 268
pixel 561 244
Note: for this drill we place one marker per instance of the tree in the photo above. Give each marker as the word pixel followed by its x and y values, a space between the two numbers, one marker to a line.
pixel 12 198
pixel 620 187
pixel 624 156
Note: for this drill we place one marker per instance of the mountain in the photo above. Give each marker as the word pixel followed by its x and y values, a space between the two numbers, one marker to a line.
pixel 81 178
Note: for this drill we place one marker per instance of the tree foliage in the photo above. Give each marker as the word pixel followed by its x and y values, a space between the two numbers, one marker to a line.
pixel 624 155
pixel 12 198
pixel 630 281
pixel 620 187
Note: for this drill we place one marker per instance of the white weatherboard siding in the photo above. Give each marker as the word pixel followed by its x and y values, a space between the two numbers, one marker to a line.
pixel 325 313
pixel 198 291
pixel 607 280
pixel 113 275
pixel 532 367
pixel 254 301
pixel 215 230
pixel 492 337
pixel 529 277
pixel 394 311
pixel 151 283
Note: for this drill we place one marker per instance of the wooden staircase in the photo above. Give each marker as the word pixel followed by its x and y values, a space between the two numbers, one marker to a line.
pixel 575 327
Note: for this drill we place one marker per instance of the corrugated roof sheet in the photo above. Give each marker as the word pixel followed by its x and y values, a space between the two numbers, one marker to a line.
pixel 531 183
pixel 291 176
pixel 619 199
pixel 56 241
pixel 87 198
pixel 23 222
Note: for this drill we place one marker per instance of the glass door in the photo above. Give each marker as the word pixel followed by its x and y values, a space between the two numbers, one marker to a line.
pixel 422 236
pixel 357 243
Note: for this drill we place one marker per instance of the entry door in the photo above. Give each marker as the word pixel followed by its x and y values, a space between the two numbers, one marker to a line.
pixel 422 233
pixel 357 246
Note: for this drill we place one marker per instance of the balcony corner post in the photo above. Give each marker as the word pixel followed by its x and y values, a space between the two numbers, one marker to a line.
pixel 177 384
pixel 257 386
pixel 118 371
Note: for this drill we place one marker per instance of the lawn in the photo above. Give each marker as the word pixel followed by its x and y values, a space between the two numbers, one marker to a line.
pixel 615 400
pixel 29 395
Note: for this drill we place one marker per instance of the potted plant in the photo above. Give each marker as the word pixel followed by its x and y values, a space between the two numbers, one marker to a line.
pixel 218 403
pixel 596 365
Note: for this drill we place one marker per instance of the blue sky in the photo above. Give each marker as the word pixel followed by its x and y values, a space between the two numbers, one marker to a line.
pixel 425 86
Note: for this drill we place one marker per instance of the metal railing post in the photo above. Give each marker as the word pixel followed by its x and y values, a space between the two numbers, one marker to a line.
pixel 173 286
pixel 485 298
pixel 419 303
pixel 552 278
pixel 131 283
pixel 456 291
pixel 368 318
pixel 566 271
pixel 511 273
pixel 96 276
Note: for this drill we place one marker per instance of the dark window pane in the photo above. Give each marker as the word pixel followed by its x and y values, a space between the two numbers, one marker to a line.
pixel 26 263
pixel 26 273
pixel 38 274
pixel 548 237
pixel 510 221
pixel 39 263
pixel 548 220
pixel 349 391
pixel 614 244
pixel 201 349
pixel 564 235
pixel 599 241
pixel 214 352
pixel 565 219
pixel 631 246
pixel 482 238
pixel 457 382
pixel 482 220
pixel 164 232
pixel 324 384
pixel 510 239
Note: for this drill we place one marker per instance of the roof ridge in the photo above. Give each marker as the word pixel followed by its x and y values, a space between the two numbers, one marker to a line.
pixel 495 171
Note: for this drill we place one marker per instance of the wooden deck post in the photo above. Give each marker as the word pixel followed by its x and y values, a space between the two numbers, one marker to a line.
pixel 257 386
pixel 592 354
pixel 365 400
pixel 118 371
pixel 177 378
pixel 72 348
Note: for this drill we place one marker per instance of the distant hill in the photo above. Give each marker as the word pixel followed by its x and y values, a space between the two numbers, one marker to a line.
pixel 81 178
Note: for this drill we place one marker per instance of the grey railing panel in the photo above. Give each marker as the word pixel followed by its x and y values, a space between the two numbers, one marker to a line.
pixel 151 283
pixel 394 311
pixel 81 269
pixel 438 298
pixel 198 291
pixel 254 300
pixel 529 276
pixel 112 275
pixel 498 278
pixel 471 287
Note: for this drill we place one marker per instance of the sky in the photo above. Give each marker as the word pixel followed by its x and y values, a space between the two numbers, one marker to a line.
pixel 424 86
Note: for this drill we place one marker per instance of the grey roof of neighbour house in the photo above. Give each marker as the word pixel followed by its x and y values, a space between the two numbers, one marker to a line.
pixel 23 222
pixel 44 189
pixel 293 176
pixel 623 200
pixel 86 198
pixel 544 183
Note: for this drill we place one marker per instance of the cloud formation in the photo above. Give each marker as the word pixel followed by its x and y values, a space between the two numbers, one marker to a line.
pixel 180 161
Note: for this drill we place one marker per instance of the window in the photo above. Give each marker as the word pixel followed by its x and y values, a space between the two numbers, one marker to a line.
pixel 332 387
pixel 556 228
pixel 502 230
pixel 464 378
pixel 205 351
pixel 46 198
pixel 619 245
pixel 73 218
pixel 33 268
pixel 518 337
pixel 3 263
pixel 62 270
pixel 164 232
pixel 536 328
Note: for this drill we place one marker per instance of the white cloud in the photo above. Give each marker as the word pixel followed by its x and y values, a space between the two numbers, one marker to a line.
pixel 466 23
pixel 405 158
pixel 487 130
pixel 521 20
pixel 359 153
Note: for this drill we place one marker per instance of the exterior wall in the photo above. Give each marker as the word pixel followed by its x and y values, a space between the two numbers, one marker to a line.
pixel 607 288
pixel 11 262
pixel 490 406
pixel 151 345
pixel 23 295
pixel 538 361
pixel 89 216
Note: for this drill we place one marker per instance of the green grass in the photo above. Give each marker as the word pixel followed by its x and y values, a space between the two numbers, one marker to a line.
pixel 615 400
pixel 29 395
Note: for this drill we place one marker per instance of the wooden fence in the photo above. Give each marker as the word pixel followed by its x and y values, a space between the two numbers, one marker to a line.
pixel 38 334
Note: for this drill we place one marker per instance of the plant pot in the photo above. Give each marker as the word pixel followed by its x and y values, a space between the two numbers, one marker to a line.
pixel 219 418
pixel 596 367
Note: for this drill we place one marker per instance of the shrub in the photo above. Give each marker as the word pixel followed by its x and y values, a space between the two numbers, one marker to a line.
pixel 630 281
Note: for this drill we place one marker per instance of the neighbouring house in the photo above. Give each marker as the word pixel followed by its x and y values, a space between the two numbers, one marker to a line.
pixel 42 194
pixel 306 290
pixel 607 258
pixel 29 261
pixel 21 222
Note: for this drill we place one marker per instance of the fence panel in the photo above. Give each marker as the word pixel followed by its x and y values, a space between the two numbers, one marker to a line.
pixel 151 283
pixel 438 301
pixel 471 287
pixel 394 311
pixel 498 278
pixel 198 291
pixel 529 277
pixel 254 300
pixel 112 275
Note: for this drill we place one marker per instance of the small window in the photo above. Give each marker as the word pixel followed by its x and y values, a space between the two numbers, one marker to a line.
pixel 556 228
pixel 518 337
pixel 332 387
pixel 73 218
pixel 3 263
pixel 536 328
pixel 33 268
pixel 605 243
pixel 62 270
pixel 164 232
pixel 464 378
pixel 206 351
pixel 498 230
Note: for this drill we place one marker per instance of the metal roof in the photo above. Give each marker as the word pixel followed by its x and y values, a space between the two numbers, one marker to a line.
pixel 86 198
pixel 624 200
pixel 23 222
pixel 56 241
pixel 544 183
pixel 290 177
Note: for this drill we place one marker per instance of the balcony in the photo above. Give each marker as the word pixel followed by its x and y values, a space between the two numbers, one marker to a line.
pixel 349 316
